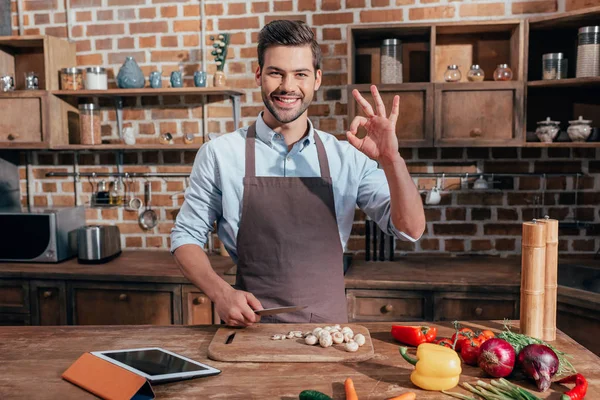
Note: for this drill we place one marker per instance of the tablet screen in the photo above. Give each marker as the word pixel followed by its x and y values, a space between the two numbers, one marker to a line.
pixel 154 362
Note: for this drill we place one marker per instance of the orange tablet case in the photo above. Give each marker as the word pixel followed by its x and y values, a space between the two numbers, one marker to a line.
pixel 107 380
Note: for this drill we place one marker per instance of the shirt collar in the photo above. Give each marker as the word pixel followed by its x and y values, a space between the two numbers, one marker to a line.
pixel 266 134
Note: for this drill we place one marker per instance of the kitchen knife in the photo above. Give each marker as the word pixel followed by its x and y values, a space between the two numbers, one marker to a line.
pixel 279 310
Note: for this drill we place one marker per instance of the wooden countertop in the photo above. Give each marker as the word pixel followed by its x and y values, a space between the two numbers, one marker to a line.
pixel 32 360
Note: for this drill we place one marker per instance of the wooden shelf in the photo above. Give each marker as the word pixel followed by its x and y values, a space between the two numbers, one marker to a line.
pixel 570 82
pixel 223 91
pixel 150 146
pixel 562 144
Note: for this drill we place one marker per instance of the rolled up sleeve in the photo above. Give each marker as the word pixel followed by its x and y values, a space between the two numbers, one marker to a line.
pixel 202 205
pixel 374 197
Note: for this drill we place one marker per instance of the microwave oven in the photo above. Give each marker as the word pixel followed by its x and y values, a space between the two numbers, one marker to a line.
pixel 39 234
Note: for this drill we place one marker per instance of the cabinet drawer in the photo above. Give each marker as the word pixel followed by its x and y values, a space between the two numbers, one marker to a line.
pixel 14 319
pixel 474 306
pixel 386 305
pixel 21 120
pixel 14 296
pixel 479 114
pixel 118 304
pixel 415 123
pixel 197 307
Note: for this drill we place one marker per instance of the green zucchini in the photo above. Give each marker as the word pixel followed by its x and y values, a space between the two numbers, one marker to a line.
pixel 313 395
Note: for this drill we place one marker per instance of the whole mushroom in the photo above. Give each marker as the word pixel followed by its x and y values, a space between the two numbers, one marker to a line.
pixel 326 340
pixel 337 337
pixel 310 339
pixel 351 346
pixel 359 339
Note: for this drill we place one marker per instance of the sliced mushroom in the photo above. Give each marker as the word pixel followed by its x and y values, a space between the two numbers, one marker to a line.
pixel 291 335
pixel 277 337
pixel 298 334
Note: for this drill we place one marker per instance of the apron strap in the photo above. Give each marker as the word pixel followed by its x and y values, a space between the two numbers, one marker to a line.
pixel 251 153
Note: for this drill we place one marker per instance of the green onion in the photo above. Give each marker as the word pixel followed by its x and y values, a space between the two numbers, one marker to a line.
pixel 518 341
pixel 498 390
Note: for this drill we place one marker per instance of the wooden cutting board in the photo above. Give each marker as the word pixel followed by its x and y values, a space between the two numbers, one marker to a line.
pixel 254 344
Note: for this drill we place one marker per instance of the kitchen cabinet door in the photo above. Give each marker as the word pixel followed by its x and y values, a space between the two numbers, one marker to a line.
pixel 20 120
pixel 197 307
pixel 479 114
pixel 387 305
pixel 415 122
pixel 453 306
pixel 48 303
pixel 14 296
pixel 124 304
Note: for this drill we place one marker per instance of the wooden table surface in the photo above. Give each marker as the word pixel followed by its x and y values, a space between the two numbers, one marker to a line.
pixel 32 360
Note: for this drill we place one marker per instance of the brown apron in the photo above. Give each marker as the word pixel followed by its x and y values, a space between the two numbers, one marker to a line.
pixel 288 243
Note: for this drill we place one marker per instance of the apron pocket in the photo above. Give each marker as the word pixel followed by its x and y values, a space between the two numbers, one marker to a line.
pixel 316 318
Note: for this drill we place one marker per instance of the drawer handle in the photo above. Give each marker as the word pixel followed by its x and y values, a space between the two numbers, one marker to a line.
pixel 123 297
pixel 47 294
pixel 478 311
pixel 12 137
pixel 387 308
pixel 200 300
pixel 476 132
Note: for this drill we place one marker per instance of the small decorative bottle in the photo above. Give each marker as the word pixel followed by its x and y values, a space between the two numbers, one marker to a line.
pixel 452 74
pixel 475 74
pixel 503 73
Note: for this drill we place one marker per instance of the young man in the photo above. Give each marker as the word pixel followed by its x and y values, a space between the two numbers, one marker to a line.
pixel 284 194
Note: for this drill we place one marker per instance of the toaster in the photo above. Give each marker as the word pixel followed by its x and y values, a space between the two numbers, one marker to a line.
pixel 97 244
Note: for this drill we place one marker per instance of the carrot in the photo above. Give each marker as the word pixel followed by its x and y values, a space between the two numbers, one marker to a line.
pixel 405 396
pixel 350 391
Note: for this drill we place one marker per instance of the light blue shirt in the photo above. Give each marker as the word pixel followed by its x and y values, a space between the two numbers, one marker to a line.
pixel 216 184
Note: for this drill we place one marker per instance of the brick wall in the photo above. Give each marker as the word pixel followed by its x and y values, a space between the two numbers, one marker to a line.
pixel 161 34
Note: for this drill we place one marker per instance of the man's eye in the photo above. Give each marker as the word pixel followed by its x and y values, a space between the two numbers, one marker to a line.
pixel 274 73
pixel 302 75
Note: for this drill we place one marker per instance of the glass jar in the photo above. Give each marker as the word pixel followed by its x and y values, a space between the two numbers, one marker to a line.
pixel 71 79
pixel 31 81
pixel 503 73
pixel 554 66
pixel 117 192
pixel 391 61
pixel 95 78
pixel 89 124
pixel 475 74
pixel 102 194
pixel 452 74
pixel 579 129
pixel 547 130
pixel 588 52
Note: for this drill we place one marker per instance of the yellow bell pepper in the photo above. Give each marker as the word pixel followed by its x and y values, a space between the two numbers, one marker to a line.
pixel 437 367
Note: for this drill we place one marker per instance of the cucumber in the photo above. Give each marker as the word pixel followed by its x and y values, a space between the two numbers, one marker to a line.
pixel 313 395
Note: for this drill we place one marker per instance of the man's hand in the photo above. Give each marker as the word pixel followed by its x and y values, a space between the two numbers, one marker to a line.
pixel 380 143
pixel 236 308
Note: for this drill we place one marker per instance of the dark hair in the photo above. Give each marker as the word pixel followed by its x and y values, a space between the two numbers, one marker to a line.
pixel 288 33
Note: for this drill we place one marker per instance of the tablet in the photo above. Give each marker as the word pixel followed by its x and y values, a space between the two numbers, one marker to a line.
pixel 157 365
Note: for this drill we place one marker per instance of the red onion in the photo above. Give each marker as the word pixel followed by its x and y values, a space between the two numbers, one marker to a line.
pixel 497 357
pixel 540 363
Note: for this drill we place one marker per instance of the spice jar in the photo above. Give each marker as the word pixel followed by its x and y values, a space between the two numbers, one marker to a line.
pixel 89 124
pixel 95 78
pixel 588 52
pixel 452 74
pixel 547 130
pixel 554 66
pixel 579 129
pixel 475 74
pixel 117 192
pixel 71 79
pixel 503 73
pixel 391 61
pixel 102 194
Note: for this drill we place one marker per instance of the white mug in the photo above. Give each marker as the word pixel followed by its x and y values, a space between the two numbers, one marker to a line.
pixel 433 196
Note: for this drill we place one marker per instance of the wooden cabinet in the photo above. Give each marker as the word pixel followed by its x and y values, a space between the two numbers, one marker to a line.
pixel 578 315
pixel 479 114
pixel 197 307
pixel 415 122
pixel 453 306
pixel 14 302
pixel 48 303
pixel 124 304
pixel 388 305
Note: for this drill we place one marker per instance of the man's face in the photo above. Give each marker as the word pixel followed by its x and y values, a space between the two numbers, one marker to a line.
pixel 288 81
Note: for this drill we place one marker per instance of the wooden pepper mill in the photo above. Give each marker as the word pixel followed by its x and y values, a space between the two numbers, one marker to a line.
pixel 533 268
pixel 550 279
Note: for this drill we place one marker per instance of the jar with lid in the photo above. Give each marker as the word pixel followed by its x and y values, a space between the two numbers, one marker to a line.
pixel 579 129
pixel 89 124
pixel 452 74
pixel 503 73
pixel 95 78
pixel 588 52
pixel 475 74
pixel 547 130
pixel 554 66
pixel 102 194
pixel 71 79
pixel 391 61
pixel 117 192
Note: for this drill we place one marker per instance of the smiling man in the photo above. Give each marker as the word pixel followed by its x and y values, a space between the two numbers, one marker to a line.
pixel 284 194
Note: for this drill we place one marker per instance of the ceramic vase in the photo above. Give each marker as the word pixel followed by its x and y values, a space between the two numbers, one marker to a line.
pixel 155 79
pixel 176 79
pixel 219 79
pixel 200 79
pixel 130 75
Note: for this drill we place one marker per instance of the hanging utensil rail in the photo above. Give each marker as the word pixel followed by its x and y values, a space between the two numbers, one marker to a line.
pixel 120 174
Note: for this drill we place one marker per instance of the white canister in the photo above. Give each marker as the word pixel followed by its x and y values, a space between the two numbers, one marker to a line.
pixel 95 78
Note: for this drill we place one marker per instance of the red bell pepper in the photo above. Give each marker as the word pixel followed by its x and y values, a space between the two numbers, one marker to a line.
pixel 414 335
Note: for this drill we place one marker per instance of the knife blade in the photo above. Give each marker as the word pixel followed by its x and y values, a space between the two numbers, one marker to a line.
pixel 279 310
